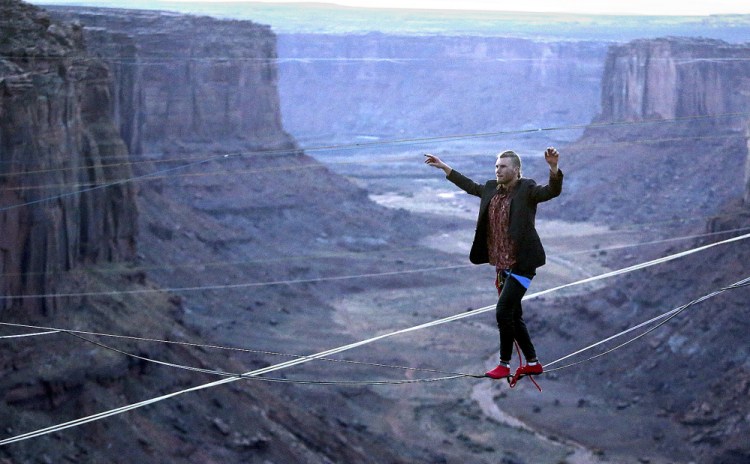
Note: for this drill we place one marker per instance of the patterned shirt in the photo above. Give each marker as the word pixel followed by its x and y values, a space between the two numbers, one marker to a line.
pixel 502 250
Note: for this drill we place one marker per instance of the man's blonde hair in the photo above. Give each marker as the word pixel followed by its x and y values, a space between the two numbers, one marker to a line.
pixel 515 159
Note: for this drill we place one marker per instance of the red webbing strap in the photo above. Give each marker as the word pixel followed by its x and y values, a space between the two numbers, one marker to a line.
pixel 514 380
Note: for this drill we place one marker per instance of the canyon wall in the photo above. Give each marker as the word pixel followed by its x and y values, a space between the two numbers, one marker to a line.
pixel 679 163
pixel 186 79
pixel 61 114
pixel 676 78
pixel 340 86
pixel 56 138
pixel 671 142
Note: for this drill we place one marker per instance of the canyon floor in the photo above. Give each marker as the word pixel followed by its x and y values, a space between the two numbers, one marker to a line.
pixel 569 424
pixel 452 419
pixel 407 266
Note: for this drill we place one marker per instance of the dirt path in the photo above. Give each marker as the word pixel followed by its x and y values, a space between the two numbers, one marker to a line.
pixel 483 394
pixel 575 251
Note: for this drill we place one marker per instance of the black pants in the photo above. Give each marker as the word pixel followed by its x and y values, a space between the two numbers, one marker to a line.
pixel 509 315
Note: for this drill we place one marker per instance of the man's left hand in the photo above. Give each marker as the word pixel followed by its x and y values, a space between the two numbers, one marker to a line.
pixel 551 156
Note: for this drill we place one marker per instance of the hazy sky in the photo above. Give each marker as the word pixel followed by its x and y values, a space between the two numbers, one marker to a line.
pixel 669 7
pixel 649 7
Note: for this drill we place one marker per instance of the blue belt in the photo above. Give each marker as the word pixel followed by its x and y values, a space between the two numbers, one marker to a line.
pixel 523 280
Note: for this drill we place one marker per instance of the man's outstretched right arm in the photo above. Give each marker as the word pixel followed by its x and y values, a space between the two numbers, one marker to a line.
pixel 436 162
pixel 463 182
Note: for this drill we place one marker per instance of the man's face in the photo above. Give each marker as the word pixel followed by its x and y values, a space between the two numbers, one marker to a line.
pixel 505 171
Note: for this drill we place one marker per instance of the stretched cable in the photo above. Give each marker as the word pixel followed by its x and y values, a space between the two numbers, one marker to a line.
pixel 381 274
pixel 49 332
pixel 340 349
pixel 451 375
pixel 418 140
pixel 219 347
pixel 666 318
pixel 380 160
pixel 243 285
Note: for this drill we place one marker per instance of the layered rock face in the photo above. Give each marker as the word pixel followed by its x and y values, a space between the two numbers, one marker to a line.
pixel 675 78
pixel 56 140
pixel 393 86
pixel 678 146
pixel 685 176
pixel 185 78
pixel 160 98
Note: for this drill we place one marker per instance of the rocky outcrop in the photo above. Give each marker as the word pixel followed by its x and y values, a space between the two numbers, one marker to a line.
pixel 687 176
pixel 675 78
pixel 671 140
pixel 183 79
pixel 57 142
pixel 258 223
pixel 188 222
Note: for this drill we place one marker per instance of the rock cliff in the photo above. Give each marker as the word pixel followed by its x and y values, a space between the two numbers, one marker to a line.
pixel 394 86
pixel 190 100
pixel 676 78
pixel 687 175
pixel 56 137
pixel 231 216
pixel 670 143
pixel 184 79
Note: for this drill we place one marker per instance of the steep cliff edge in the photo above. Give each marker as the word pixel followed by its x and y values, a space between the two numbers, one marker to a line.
pixel 686 154
pixel 395 86
pixel 671 141
pixel 284 219
pixel 676 78
pixel 56 137
pixel 186 79
pixel 230 219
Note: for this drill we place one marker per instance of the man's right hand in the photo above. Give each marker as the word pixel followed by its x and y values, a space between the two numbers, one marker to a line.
pixel 436 162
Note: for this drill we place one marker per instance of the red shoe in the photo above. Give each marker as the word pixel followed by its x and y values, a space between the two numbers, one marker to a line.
pixel 527 371
pixel 500 372
pixel 535 369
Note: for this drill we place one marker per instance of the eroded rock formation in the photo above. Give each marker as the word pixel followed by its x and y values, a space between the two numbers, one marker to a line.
pixel 150 114
pixel 675 78
pixel 49 133
pixel 671 141
pixel 181 78
pixel 685 171
pixel 61 158
pixel 395 86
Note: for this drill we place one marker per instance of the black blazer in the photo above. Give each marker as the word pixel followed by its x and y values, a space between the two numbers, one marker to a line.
pixel 525 196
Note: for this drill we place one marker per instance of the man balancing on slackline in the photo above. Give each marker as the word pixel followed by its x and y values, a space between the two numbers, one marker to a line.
pixel 506 237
